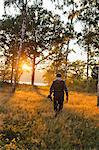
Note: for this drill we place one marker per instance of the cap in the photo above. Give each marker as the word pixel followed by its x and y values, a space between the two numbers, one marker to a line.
pixel 58 75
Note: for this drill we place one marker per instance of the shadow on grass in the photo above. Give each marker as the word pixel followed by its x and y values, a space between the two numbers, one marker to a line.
pixel 6 98
pixel 39 92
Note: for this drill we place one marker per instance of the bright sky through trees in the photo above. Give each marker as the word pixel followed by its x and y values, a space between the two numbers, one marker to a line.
pixel 26 67
pixel 80 54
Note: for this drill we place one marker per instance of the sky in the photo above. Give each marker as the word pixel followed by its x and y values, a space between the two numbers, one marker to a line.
pixel 72 57
pixel 1 8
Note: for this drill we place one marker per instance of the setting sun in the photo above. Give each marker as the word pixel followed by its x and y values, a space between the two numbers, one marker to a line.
pixel 26 67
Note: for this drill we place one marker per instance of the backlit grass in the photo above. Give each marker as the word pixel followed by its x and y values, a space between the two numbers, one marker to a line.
pixel 28 121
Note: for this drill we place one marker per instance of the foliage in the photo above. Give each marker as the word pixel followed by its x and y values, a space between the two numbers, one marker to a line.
pixel 82 85
pixel 44 30
pixel 89 14
pixel 77 70
pixel 46 34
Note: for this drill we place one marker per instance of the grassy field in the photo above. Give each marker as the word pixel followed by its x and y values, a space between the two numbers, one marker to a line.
pixel 27 121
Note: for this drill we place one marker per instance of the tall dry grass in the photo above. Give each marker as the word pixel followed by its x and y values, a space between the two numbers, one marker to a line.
pixel 29 123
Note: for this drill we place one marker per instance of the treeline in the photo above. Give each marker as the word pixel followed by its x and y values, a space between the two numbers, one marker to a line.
pixel 79 74
pixel 37 35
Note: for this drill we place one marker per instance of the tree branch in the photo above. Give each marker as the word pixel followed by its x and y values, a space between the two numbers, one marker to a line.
pixel 17 6
pixel 28 2
pixel 44 58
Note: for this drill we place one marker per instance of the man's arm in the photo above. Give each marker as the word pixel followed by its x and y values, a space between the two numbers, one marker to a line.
pixel 51 91
pixel 66 90
pixel 51 88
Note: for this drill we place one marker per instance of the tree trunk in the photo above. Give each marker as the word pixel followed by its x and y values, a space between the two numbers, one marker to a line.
pixel 67 51
pixel 33 70
pixel 88 62
pixel 88 67
pixel 66 66
pixel 98 89
pixel 12 70
pixel 23 30
pixel 3 79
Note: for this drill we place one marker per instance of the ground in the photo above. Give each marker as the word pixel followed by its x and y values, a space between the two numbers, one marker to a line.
pixel 27 121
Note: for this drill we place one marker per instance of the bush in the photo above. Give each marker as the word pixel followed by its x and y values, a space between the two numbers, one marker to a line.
pixel 82 85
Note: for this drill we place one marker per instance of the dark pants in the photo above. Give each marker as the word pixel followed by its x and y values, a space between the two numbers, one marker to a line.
pixel 58 100
pixel 58 105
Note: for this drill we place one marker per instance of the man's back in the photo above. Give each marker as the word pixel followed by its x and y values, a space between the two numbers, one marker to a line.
pixel 58 85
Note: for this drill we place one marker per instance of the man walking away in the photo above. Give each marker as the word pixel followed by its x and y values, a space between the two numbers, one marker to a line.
pixel 57 88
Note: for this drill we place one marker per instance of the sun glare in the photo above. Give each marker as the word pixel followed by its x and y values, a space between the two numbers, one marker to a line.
pixel 26 67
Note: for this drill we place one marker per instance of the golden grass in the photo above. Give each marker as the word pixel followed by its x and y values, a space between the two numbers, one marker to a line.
pixel 29 122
